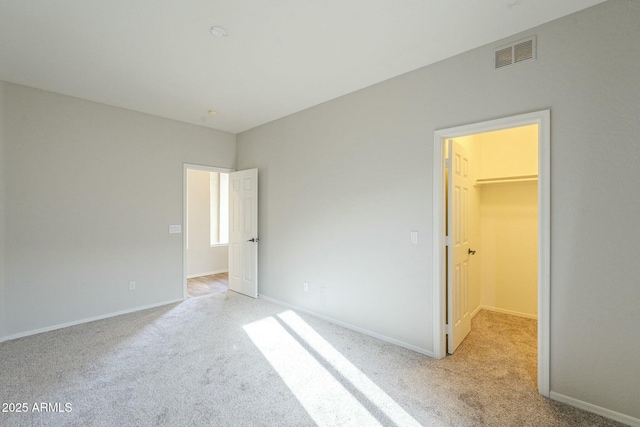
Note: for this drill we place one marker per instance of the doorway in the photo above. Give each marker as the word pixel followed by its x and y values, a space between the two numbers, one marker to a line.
pixel 541 120
pixel 206 233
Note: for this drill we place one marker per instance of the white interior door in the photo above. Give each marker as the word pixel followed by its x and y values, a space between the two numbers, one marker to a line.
pixel 243 232
pixel 458 315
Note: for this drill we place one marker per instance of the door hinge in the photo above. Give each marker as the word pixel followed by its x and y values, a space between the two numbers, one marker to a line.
pixel 447 162
pixel 448 329
pixel 447 240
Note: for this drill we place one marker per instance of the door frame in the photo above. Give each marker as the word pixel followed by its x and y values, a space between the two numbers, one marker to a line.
pixel 186 167
pixel 543 120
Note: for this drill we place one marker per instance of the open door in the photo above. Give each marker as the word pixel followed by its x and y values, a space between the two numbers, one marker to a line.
pixel 458 315
pixel 243 232
pixel 441 252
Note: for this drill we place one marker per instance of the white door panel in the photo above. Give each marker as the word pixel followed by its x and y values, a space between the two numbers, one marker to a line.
pixel 243 234
pixel 459 316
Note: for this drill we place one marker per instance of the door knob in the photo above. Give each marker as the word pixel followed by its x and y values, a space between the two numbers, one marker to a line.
pixel 254 239
pixel 471 252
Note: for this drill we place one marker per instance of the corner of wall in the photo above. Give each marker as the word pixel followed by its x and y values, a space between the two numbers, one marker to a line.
pixel 134 214
pixel 3 320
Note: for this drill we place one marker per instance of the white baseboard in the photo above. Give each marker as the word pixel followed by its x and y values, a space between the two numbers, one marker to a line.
pixel 349 326
pixel 207 273
pixel 616 416
pixel 85 320
pixel 503 311
pixel 476 311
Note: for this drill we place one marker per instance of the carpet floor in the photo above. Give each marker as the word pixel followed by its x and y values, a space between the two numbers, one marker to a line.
pixel 229 360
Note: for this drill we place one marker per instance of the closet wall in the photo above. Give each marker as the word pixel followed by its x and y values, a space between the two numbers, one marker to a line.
pixel 504 221
pixel 508 217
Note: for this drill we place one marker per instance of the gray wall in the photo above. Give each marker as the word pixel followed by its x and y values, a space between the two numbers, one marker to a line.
pixel 344 183
pixel 90 193
pixel 3 320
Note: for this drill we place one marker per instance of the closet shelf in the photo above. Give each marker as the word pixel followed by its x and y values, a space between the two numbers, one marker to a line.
pixel 506 179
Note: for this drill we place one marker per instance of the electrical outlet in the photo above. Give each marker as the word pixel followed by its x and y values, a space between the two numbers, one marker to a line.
pixel 132 286
pixel 305 287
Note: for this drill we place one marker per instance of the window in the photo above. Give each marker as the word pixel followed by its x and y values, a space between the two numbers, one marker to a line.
pixel 219 198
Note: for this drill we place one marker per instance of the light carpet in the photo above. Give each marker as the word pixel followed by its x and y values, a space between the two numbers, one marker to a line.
pixel 229 360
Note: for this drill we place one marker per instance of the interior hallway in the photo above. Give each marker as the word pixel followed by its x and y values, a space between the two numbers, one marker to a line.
pixel 207 285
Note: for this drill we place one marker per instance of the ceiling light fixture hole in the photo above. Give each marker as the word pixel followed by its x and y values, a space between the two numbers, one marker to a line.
pixel 218 31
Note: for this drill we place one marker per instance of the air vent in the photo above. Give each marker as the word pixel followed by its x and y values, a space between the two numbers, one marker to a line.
pixel 519 51
pixel 504 57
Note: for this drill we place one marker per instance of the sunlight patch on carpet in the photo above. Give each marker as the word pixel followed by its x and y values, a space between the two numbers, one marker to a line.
pixel 321 394
pixel 327 401
pixel 347 369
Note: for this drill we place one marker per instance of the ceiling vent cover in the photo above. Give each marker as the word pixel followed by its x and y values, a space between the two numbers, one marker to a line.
pixel 522 50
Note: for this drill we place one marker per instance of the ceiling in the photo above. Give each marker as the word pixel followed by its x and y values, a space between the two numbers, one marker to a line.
pixel 279 57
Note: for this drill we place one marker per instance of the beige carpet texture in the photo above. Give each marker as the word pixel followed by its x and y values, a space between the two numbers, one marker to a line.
pixel 229 360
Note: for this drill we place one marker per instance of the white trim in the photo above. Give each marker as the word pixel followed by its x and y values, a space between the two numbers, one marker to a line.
pixel 208 273
pixel 608 413
pixel 476 311
pixel 206 168
pixel 349 326
pixel 543 120
pixel 185 168
pixel 87 320
pixel 509 312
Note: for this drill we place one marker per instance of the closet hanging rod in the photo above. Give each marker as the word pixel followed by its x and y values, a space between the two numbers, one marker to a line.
pixel 506 179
